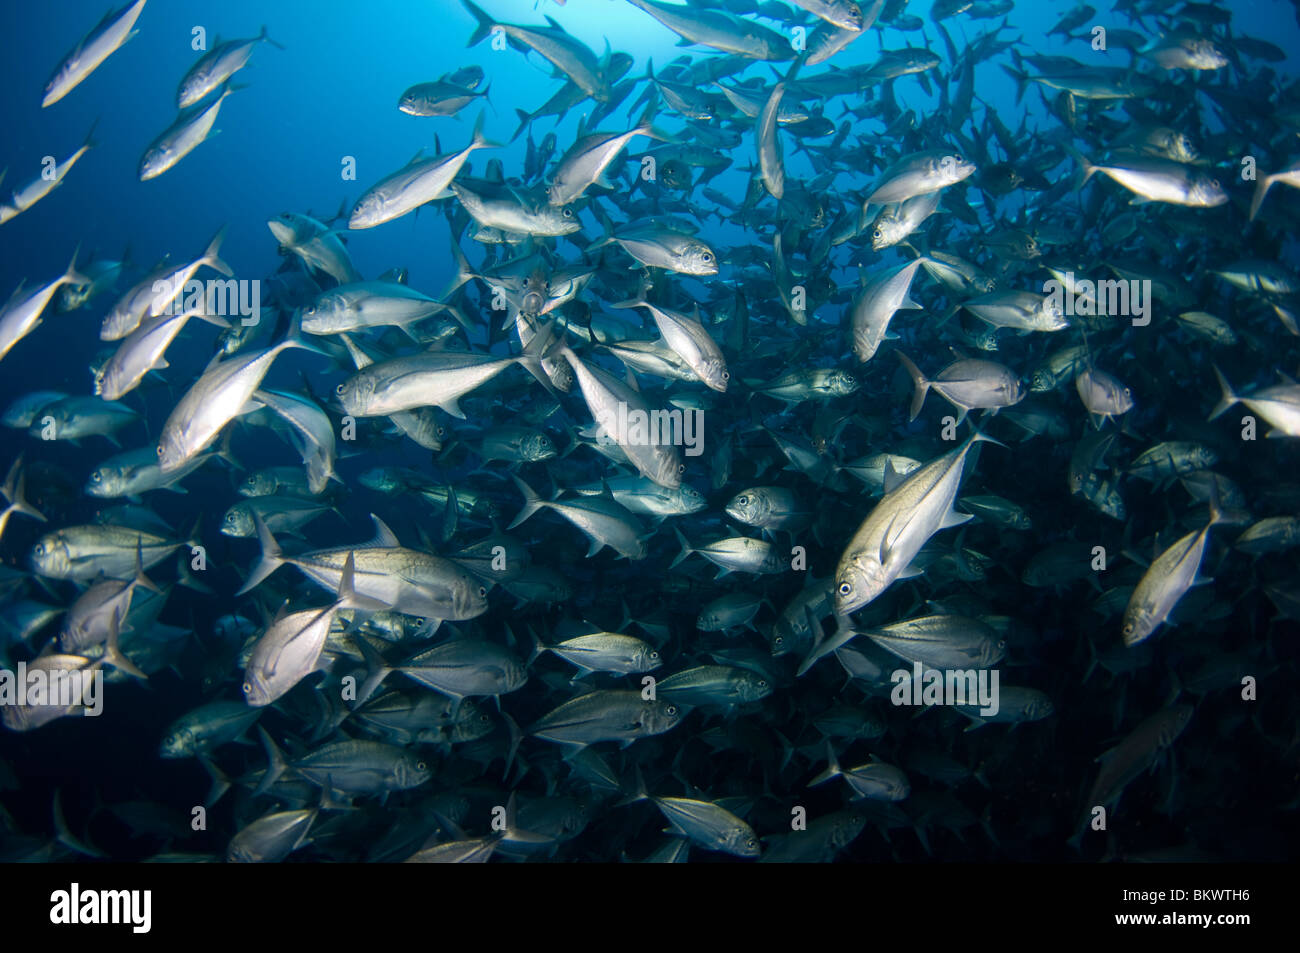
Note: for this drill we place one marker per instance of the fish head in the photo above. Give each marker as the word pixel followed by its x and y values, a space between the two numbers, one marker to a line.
pixel 847 15
pixel 193 88
pixel 58 87
pixel 661 716
pixel 238 521
pixel 714 373
pixel 1050 314
pixel 750 507
pixel 178 743
pixel 887 231
pixel 741 841
pixel 860 581
pixel 1139 622
pixel 646 659
pixel 1042 381
pixel 537 447
pixel 697 258
pixel 951 169
pixel 172 452
pixel 368 211
pixel 469 597
pixel 472 722
pixel 667 471
pixel 1206 192
pixel 257 484
pixel 411 771
pixel 50 557
pixel 752 687
pixel 842 383
pixel 1182 149
pixel 556 220
pixel 356 393
pixel 289 230
pixel 156 161
pixel 1204 54
pixel 411 103
pixel 690 500
pixel 104 482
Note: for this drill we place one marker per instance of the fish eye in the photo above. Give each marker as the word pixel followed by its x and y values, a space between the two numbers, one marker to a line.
pixel 779 640
pixel 230 517
pixel 762 683
pixel 877 233
pixel 339 390
pixel 248 688
pixel 96 476
pixel 654 655
pixel 1214 183
pixel 845 588
pixel 671 709
pixel 726 375
pixel 159 450
pixel 708 257
pixel 681 468
pixel 482 591
pixel 419 621
pixel 40 549
pixel 421 766
pixel 568 213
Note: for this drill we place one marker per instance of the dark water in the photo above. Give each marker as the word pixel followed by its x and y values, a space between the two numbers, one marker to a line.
pixel 1223 789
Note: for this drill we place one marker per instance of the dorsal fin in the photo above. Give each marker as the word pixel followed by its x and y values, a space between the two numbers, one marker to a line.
pixel 384 537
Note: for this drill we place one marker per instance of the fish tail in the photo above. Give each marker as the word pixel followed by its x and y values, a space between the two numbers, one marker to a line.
pixel 376 670
pixel 212 257
pixel 532 502
pixel 480 141
pixel 920 384
pixel 140 578
pixel 1228 398
pixel 532 356
pixel 266 38
pixel 832 767
pixel 113 653
pixel 686 547
pixel 524 119
pixel 483 27
pixel 1261 190
pixel 270 561
pixel 293 338
pixel 220 783
pixel 70 275
pixel 13 488
pixel 275 763
pixel 1086 168
pixel 538 647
